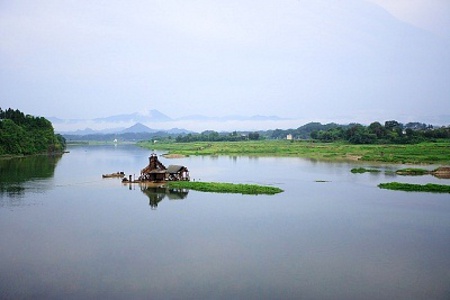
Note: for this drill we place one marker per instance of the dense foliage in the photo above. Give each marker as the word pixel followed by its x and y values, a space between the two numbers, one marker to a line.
pixel 25 134
pixel 392 132
pixel 214 136
pixel 302 132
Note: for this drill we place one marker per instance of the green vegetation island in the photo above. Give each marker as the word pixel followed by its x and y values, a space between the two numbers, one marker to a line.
pixel 22 134
pixel 224 187
pixel 440 172
pixel 410 187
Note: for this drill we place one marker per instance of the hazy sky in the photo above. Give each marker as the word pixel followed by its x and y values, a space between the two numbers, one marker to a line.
pixel 311 60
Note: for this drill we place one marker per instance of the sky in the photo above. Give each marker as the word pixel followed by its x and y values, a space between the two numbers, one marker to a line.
pixel 305 60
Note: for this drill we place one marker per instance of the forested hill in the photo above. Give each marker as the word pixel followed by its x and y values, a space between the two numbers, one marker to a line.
pixel 26 134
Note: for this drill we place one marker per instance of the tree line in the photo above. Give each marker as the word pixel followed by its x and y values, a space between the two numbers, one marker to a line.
pixel 26 134
pixel 392 132
pixel 214 136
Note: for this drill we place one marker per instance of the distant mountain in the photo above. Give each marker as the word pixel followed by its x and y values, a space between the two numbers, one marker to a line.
pixel 149 116
pixel 90 131
pixel 157 116
pixel 265 118
pixel 110 124
pixel 194 118
pixel 138 128
pixel 141 128
pixel 84 131
pixel 230 118
pixel 179 131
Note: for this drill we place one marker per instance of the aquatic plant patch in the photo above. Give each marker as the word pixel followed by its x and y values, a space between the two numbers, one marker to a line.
pixel 364 170
pixel 410 187
pixel 223 187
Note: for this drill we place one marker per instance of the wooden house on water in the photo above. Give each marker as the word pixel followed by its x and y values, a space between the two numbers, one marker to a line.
pixel 156 171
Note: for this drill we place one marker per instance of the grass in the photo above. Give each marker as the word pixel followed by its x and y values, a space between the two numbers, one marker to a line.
pixel 222 187
pixel 364 170
pixel 423 153
pixel 409 187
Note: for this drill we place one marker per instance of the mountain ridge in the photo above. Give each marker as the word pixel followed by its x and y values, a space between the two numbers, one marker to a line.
pixel 139 122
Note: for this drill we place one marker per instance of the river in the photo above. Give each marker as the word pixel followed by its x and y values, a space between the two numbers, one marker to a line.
pixel 67 233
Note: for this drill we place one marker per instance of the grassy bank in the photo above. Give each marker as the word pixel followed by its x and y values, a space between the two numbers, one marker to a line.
pixel 437 152
pixel 409 187
pixel 221 187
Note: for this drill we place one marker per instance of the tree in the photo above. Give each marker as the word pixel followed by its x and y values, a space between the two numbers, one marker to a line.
pixel 25 134
pixel 358 134
pixel 253 136
pixel 377 129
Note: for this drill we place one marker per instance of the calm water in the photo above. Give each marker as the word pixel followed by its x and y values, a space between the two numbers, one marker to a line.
pixel 68 233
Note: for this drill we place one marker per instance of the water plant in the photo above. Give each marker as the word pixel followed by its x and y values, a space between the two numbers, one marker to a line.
pixel 364 170
pixel 410 187
pixel 224 187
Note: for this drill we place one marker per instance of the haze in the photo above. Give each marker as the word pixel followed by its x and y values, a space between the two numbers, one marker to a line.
pixel 306 60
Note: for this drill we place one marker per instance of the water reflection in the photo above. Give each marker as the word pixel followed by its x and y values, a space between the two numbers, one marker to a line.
pixel 16 172
pixel 156 194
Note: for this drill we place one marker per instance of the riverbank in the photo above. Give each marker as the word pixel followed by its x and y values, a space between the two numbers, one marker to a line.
pixel 423 153
pixel 14 156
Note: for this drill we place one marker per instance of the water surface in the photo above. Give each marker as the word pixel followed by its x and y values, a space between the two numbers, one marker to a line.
pixel 68 233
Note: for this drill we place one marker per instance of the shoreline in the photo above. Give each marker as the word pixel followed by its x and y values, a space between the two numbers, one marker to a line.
pixel 428 153
pixel 13 156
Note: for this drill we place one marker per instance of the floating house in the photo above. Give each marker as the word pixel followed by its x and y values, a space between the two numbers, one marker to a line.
pixel 156 171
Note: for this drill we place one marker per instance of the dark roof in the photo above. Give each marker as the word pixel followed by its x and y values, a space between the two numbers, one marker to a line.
pixel 175 168
pixel 158 171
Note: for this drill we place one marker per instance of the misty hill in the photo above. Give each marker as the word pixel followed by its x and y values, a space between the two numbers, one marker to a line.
pixel 155 116
pixel 138 128
pixel 134 133
pixel 149 116
pixel 146 121
pixel 230 118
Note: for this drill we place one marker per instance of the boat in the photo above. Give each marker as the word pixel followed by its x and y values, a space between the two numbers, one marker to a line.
pixel 114 175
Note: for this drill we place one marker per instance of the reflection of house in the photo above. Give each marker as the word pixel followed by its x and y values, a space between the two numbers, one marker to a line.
pixel 156 171
pixel 157 194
